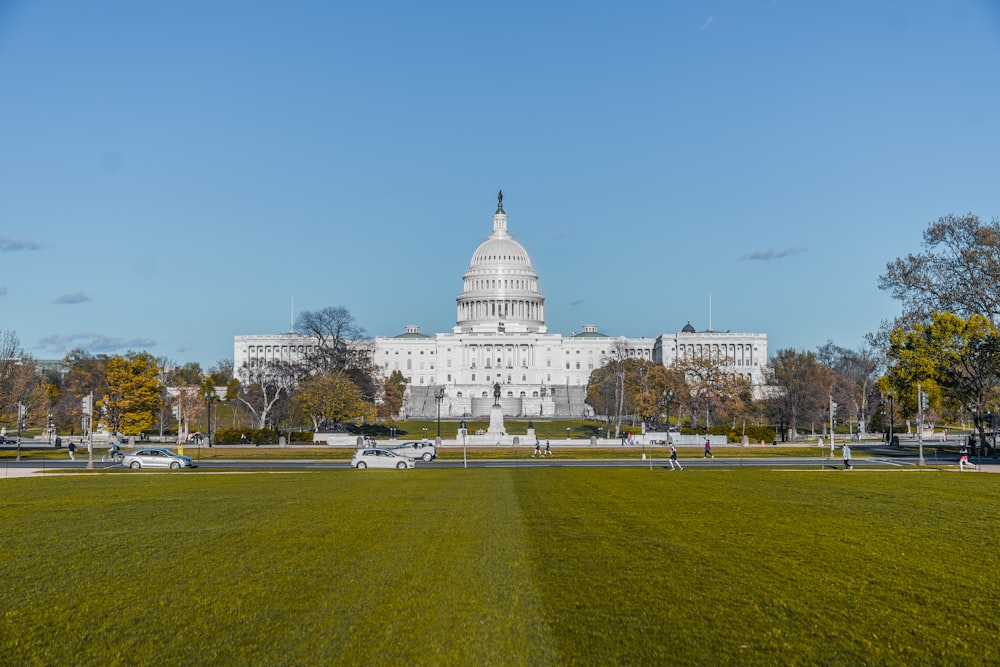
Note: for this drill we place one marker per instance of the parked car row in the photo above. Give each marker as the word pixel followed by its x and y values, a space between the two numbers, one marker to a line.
pixel 402 455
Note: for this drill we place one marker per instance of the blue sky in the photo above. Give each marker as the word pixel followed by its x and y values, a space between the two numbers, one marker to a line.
pixel 173 174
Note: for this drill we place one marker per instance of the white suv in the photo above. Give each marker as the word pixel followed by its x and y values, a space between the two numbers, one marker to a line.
pixel 418 449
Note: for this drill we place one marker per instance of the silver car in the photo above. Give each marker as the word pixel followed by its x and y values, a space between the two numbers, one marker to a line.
pixel 156 457
pixel 418 449
pixel 376 457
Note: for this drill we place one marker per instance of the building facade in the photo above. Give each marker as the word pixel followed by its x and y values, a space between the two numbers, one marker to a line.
pixel 500 338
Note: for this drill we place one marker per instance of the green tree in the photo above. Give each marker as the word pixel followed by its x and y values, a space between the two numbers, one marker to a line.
pixel 954 358
pixel 133 397
pixel 331 396
pixel 188 374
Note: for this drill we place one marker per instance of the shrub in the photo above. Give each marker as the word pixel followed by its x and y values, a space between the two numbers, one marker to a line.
pixel 254 436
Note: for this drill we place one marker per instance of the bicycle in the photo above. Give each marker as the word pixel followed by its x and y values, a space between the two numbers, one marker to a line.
pixel 112 457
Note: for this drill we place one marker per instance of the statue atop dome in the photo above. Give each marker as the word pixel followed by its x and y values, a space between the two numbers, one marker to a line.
pixel 500 202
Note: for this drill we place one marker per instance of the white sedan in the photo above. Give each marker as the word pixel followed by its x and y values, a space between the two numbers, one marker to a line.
pixel 156 457
pixel 376 457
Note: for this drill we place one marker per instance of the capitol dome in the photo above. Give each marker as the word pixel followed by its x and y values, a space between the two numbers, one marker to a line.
pixel 501 286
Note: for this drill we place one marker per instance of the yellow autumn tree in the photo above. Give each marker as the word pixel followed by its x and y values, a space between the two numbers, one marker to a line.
pixel 133 397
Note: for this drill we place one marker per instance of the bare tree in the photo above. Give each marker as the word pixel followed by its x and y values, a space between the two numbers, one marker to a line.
pixel 20 381
pixel 959 270
pixel 263 385
pixel 801 388
pixel 334 329
pixel 856 385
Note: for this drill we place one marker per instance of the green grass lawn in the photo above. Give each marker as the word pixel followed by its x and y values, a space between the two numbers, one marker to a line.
pixel 501 566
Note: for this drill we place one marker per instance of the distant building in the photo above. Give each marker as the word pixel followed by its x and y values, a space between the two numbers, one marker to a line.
pixel 500 337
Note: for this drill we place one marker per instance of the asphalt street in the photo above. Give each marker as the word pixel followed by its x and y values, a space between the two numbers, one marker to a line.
pixel 876 459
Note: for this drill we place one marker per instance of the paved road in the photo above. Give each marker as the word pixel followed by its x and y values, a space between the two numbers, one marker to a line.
pixel 893 459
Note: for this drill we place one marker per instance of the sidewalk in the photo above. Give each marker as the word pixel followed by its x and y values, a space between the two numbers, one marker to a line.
pixel 17 471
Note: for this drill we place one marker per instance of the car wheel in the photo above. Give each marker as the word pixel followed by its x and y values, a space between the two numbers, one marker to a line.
pixel 362 464
pixel 174 465
pixel 401 464
pixel 135 465
pixel 427 457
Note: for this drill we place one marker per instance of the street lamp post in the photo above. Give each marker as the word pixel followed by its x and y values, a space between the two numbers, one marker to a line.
pixel 209 397
pixel 20 421
pixel 439 396
pixel 891 394
pixel 668 398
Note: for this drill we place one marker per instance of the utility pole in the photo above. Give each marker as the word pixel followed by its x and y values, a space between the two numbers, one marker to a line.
pixel 921 406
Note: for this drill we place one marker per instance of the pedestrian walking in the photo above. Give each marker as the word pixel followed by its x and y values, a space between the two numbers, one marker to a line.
pixel 708 449
pixel 72 448
pixel 548 448
pixel 847 457
pixel 538 448
pixel 673 458
pixel 963 458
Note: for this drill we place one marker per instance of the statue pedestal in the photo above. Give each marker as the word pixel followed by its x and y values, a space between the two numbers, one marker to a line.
pixel 496 421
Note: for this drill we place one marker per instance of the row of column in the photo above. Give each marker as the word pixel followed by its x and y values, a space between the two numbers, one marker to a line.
pixel 735 352
pixel 496 308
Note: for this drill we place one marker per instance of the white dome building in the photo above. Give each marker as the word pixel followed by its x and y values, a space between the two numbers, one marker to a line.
pixel 500 337
pixel 501 286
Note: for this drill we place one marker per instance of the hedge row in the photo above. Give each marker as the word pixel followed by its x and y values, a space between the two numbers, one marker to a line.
pixel 256 436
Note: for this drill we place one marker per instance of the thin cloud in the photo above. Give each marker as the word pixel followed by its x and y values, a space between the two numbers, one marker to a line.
pixel 92 343
pixel 79 297
pixel 708 23
pixel 9 244
pixel 774 253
